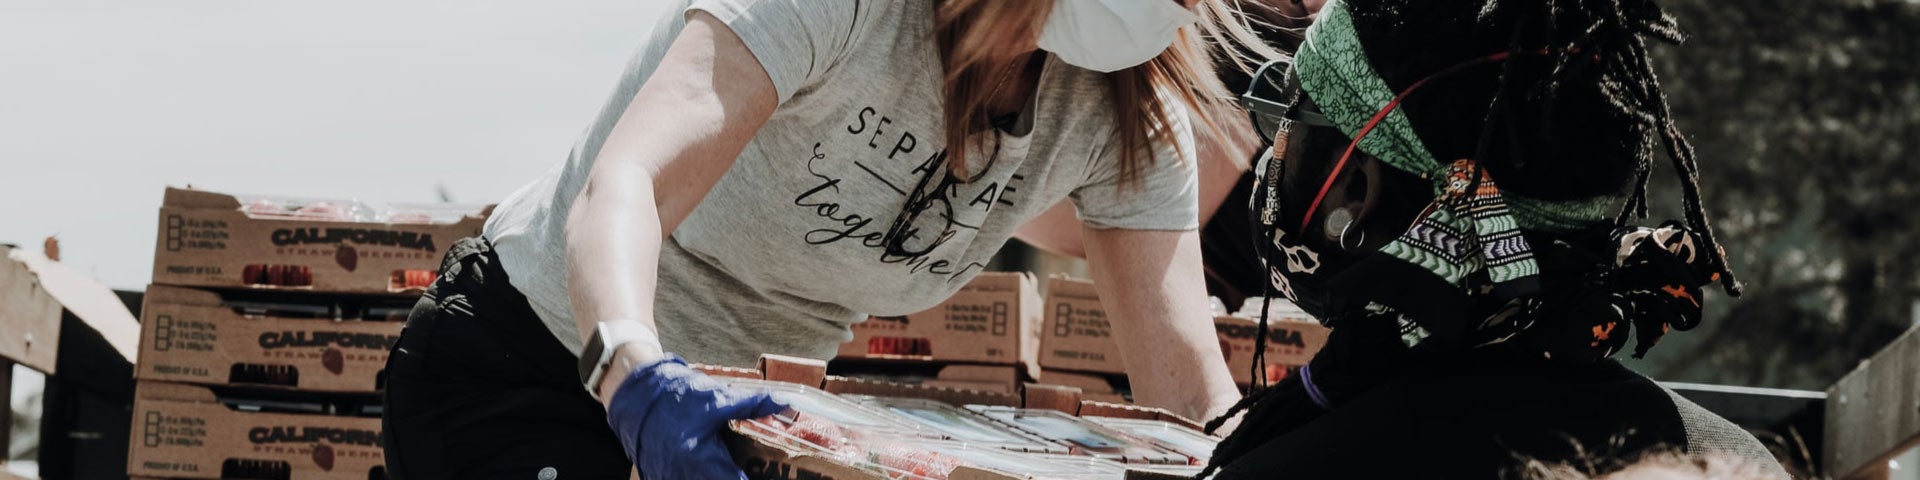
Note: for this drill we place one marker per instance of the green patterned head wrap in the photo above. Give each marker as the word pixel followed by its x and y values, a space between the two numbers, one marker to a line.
pixel 1333 68
pixel 1472 225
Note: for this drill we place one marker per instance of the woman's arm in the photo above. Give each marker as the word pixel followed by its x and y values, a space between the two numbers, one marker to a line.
pixel 682 131
pixel 1151 286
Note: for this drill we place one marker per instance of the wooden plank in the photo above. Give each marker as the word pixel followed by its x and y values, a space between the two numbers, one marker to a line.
pixel 1873 414
pixel 29 317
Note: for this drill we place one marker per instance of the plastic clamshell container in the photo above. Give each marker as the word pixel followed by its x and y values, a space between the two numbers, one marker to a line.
pixel 1167 435
pixel 845 447
pixel 1083 437
pixel 960 425
pixel 1032 465
pixel 827 406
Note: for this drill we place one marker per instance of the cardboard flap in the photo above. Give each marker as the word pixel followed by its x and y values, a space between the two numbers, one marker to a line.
pixel 969 472
pixel 190 198
pixel 1147 475
pixel 1053 397
pixel 88 299
pixel 1002 374
pixel 804 371
pixel 951 395
pixel 735 372
pixel 1090 408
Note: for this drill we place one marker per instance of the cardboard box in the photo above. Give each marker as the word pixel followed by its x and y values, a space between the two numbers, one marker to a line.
pixel 197 336
pixel 29 314
pixel 766 459
pixel 185 431
pixel 1099 387
pixel 1076 335
pixel 1291 342
pixel 216 240
pixel 990 320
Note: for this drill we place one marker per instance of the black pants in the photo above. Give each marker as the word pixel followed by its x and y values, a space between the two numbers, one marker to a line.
pixel 1468 417
pixel 477 388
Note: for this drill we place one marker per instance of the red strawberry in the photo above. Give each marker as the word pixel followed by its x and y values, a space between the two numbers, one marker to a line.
pixel 346 257
pixel 919 462
pixel 323 456
pixel 333 360
pixel 254 274
pixel 817 431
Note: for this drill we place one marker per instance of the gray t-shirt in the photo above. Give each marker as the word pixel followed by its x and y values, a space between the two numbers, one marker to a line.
pixel 788 249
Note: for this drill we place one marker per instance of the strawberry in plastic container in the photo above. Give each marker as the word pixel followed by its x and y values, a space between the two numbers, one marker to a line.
pixel 267 208
pixel 326 211
pixel 819 432
pixel 410 217
pixel 915 462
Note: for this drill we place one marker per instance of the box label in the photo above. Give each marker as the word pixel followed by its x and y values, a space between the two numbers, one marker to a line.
pixel 173 430
pixel 990 320
pixel 195 234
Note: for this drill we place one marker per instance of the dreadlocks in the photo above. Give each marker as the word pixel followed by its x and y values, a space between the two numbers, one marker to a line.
pixel 1576 118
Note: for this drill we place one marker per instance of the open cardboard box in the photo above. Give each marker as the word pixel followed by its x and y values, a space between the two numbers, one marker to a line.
pixel 194 336
pixel 1092 386
pixel 185 431
pixel 222 241
pixel 770 461
pixel 989 321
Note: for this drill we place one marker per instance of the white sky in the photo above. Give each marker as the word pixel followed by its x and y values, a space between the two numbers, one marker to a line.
pixel 104 103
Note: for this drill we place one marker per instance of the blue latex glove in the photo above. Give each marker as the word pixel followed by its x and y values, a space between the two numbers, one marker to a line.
pixel 669 417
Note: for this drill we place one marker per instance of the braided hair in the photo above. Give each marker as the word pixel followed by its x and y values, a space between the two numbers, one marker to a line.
pixel 1583 119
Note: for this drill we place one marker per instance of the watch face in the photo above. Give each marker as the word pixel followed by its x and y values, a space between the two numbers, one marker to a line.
pixel 593 358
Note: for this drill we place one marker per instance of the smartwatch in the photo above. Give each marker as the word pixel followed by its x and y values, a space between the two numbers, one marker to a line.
pixel 598 354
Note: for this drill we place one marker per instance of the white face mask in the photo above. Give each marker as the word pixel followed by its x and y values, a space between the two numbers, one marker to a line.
pixel 1111 35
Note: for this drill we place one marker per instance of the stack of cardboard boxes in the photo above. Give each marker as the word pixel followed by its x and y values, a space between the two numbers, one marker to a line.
pixel 266 330
pixel 997 334
pixel 1077 347
pixel 981 338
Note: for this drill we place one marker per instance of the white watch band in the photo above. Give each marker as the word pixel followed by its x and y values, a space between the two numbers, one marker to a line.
pixel 606 340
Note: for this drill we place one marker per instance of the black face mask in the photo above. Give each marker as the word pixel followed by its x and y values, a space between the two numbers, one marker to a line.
pixel 1366 207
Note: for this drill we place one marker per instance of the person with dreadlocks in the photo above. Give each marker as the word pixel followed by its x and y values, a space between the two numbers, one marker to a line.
pixel 1440 192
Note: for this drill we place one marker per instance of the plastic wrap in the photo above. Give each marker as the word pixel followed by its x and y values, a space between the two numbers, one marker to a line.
pixel 1081 436
pixel 961 425
pixel 334 210
pixel 1167 435
pixel 1037 466
pixel 828 407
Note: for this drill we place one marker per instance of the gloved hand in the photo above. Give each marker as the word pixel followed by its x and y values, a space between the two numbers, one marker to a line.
pixel 669 416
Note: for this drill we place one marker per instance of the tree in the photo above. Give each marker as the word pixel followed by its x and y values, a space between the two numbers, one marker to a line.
pixel 1804 114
